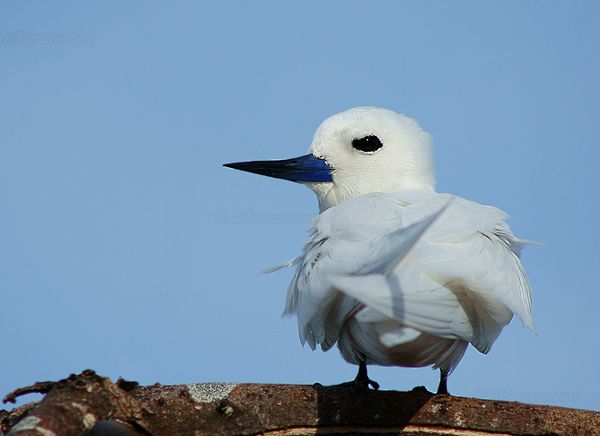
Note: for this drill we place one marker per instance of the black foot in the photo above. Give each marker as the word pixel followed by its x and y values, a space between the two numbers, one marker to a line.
pixel 360 384
pixel 367 383
pixel 362 380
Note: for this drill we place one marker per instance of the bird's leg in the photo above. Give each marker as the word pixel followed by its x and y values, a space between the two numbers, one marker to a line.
pixel 443 386
pixel 362 379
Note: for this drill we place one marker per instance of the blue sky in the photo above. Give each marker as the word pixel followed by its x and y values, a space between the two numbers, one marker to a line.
pixel 126 247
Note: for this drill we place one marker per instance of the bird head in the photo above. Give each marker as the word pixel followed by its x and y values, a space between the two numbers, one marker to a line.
pixel 356 152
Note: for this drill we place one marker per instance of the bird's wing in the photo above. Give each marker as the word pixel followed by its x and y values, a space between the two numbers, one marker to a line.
pixel 449 272
pixel 473 244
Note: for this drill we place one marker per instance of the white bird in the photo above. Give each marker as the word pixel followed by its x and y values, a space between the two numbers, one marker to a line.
pixel 393 272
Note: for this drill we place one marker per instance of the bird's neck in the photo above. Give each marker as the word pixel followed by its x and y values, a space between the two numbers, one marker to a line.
pixel 330 195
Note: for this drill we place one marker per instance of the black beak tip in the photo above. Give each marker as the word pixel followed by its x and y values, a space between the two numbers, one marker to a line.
pixel 234 165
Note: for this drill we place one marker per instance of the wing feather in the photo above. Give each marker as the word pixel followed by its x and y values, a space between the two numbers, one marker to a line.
pixel 452 271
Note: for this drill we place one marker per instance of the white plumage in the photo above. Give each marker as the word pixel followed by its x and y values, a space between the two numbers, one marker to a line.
pixel 393 272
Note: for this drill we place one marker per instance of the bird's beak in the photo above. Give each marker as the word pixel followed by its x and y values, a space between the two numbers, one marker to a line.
pixel 303 169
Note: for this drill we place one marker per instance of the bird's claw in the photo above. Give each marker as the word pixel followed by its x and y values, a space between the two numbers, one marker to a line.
pixel 360 383
pixel 373 384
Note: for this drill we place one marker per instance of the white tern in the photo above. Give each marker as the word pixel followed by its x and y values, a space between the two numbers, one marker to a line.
pixel 393 272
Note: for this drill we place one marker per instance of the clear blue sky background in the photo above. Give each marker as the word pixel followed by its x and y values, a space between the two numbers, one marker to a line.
pixel 127 248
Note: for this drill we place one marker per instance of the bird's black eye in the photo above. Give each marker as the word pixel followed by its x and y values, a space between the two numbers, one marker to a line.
pixel 368 144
